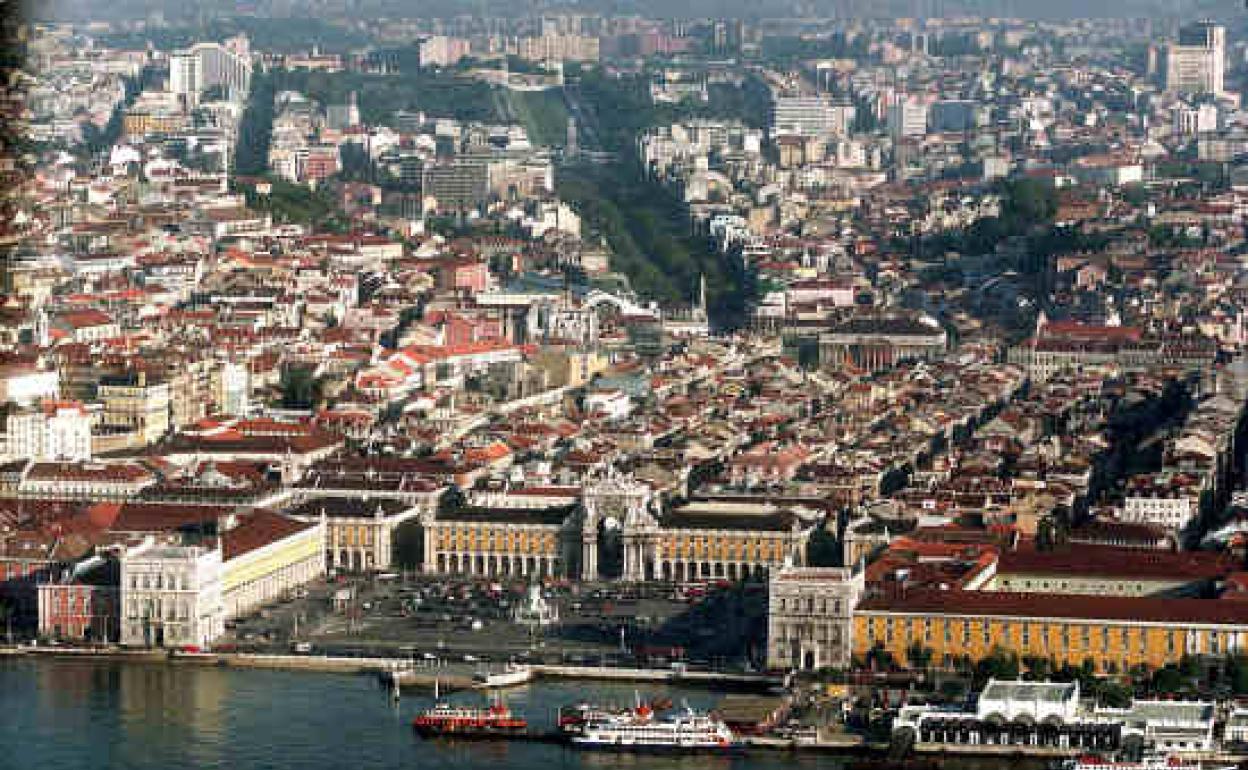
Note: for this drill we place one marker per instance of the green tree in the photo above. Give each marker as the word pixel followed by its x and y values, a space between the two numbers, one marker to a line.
pixel 880 658
pixel 1037 666
pixel 999 664
pixel 255 129
pixel 6 621
pixel 823 549
pixel 1111 694
pixel 1027 202
pixel 919 655
pixel 300 388
pixel 1237 673
pixel 1167 680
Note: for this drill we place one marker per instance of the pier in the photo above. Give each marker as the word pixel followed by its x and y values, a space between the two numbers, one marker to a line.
pixel 408 673
pixel 417 677
pixel 670 676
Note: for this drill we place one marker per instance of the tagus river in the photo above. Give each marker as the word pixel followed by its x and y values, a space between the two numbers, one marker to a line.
pixel 58 714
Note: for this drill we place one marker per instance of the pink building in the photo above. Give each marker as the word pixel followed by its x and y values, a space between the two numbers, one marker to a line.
pixel 84 604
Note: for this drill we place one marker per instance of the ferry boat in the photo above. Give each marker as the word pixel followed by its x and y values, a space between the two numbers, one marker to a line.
pixel 572 719
pixel 683 732
pixel 1150 762
pixel 444 720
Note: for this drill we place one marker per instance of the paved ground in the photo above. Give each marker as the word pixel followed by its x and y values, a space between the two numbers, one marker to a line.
pixel 449 619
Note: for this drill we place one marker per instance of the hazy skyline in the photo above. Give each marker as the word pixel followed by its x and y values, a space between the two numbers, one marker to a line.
pixel 173 10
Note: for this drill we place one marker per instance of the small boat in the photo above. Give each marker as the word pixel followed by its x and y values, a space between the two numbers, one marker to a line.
pixel 1149 762
pixel 509 677
pixel 444 720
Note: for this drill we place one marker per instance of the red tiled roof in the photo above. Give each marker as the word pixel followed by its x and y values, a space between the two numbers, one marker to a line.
pixel 1100 561
pixel 162 517
pixel 1074 607
pixel 258 530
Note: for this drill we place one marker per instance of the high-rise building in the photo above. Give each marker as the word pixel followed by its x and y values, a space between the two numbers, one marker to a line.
pixel 1197 62
pixel 953 115
pixel 442 51
pixel 558 48
pixel 185 77
pixel 810 115
pixel 1197 119
pixel 457 183
pixel 209 65
pixel 907 117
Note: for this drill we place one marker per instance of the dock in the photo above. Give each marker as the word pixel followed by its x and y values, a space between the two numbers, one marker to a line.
pixel 406 672
pixel 671 676
pixel 428 680
pixel 423 678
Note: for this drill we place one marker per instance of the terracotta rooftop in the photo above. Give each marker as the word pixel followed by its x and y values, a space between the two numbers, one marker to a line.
pixel 258 530
pixel 1102 561
pixel 1074 607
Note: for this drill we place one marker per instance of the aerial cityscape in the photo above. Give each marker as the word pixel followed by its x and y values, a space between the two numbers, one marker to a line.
pixel 800 383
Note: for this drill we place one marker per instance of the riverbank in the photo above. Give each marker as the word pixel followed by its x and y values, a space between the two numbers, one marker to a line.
pixel 1044 753
pixel 406 672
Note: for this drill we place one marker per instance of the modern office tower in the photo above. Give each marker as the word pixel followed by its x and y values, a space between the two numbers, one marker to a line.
pixel 1196 64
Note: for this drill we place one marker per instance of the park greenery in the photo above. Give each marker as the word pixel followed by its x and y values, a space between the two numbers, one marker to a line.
pixel 381 95
pixel 648 231
pixel 620 107
pixel 251 156
pixel 644 222
pixel 297 204
pixel 280 35
pixel 300 387
pixel 543 113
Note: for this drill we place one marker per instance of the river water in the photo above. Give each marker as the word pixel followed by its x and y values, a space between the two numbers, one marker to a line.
pixel 80 715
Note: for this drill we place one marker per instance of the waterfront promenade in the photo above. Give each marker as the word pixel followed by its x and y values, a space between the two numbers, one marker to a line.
pixel 406 671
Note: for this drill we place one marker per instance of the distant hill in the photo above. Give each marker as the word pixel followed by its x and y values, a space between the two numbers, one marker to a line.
pixel 173 10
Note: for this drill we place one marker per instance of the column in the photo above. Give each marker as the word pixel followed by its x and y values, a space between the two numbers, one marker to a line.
pixel 427 563
pixel 589 558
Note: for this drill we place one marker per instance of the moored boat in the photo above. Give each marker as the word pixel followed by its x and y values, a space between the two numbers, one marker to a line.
pixel 512 676
pixel 444 720
pixel 572 719
pixel 1150 762
pixel 686 731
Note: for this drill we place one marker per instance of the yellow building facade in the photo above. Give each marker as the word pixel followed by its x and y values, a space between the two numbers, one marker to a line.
pixel 520 546
pixel 1111 644
pixel 262 567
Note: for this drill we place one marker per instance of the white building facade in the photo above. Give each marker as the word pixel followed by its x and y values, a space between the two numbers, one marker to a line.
pixel 171 596
pixel 59 432
pixel 810 617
